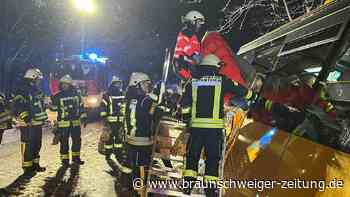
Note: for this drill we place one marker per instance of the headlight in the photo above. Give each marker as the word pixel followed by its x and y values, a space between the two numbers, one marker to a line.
pixel 92 100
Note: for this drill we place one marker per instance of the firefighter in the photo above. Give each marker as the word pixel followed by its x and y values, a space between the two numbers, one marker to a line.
pixel 71 114
pixel 113 110
pixel 203 100
pixel 187 49
pixel 271 108
pixel 30 110
pixel 139 114
pixel 5 116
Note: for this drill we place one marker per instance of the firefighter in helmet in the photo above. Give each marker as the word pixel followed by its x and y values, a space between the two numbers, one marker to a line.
pixel 113 110
pixel 187 49
pixel 71 114
pixel 139 136
pixel 30 109
pixel 203 101
pixel 5 116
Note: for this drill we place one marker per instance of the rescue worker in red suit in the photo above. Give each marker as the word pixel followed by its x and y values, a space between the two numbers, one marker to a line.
pixel 187 49
pixel 214 43
pixel 299 96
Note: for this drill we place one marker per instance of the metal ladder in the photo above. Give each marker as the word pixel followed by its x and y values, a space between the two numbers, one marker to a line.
pixel 167 132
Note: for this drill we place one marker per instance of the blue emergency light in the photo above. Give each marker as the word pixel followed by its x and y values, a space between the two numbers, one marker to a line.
pixel 93 56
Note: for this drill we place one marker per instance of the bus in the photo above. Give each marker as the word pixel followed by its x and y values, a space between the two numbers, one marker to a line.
pixel 316 162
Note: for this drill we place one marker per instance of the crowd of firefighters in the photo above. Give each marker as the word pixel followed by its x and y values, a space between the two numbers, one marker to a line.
pixel 210 78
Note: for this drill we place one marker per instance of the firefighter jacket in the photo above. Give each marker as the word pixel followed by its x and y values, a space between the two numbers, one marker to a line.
pixel 187 45
pixel 70 108
pixel 113 106
pixel 139 120
pixel 29 106
pixel 203 98
pixel 5 116
pixel 214 43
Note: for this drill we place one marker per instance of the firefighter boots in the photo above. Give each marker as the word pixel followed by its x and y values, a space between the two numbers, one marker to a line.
pixel 38 168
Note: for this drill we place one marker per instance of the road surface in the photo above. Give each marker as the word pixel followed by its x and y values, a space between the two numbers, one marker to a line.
pixel 95 178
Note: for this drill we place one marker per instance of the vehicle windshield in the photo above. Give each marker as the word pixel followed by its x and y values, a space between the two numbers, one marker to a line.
pixel 78 70
pixel 319 124
pixel 327 124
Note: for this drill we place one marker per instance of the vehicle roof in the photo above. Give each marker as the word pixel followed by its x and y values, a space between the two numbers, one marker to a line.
pixel 301 43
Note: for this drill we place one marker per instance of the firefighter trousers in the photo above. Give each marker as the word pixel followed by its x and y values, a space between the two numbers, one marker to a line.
pixel 115 142
pixel 75 134
pixel 1 133
pixel 209 139
pixel 30 145
pixel 139 158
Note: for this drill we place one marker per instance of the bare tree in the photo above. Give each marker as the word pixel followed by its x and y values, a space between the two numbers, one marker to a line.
pixel 29 30
pixel 264 15
pixel 191 1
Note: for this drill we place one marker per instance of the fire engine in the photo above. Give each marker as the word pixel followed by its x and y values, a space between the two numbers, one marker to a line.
pixel 89 73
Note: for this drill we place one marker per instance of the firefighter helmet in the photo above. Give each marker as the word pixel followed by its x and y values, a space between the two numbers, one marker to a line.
pixel 308 79
pixel 211 60
pixel 137 77
pixel 116 79
pixel 66 79
pixel 193 16
pixel 34 74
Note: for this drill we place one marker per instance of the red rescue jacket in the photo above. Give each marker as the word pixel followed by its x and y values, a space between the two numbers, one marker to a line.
pixel 296 96
pixel 214 43
pixel 186 46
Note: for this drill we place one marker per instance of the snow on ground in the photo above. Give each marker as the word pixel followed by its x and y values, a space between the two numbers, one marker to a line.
pixel 95 178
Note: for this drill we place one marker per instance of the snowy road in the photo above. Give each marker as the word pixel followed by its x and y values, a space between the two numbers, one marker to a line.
pixel 95 178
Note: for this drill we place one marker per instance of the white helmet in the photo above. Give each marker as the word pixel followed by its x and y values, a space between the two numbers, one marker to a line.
pixel 137 77
pixel 66 79
pixel 193 16
pixel 34 74
pixel 211 60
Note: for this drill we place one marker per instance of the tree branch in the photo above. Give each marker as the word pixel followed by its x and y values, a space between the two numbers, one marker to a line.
pixel 10 60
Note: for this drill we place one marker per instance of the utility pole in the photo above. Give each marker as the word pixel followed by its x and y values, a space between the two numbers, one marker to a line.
pixel 83 34
pixel 86 7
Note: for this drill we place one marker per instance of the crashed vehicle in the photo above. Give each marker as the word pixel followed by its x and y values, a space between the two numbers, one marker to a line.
pixel 276 160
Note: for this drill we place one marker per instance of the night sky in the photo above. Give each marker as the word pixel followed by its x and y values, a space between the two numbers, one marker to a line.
pixel 132 33
pixel 135 33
